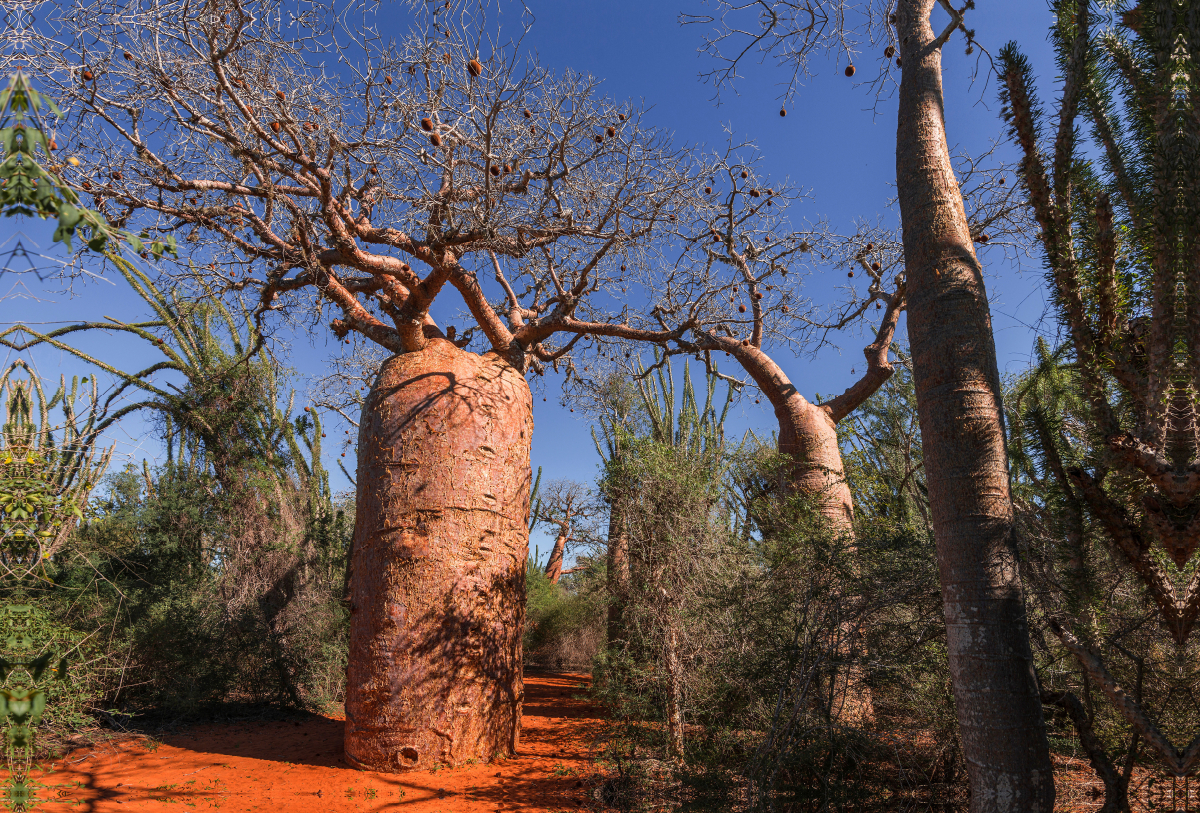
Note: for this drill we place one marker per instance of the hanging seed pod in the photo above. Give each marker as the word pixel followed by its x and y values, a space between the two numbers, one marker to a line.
pixel 898 63
pixel 495 170
pixel 849 70
pixel 612 131
pixel 875 266
pixel 782 112
pixel 849 273
pixel 621 117
pixel 87 75
pixel 116 176
pixel 435 139
pixel 276 126
pixel 745 174
pixel 87 185
pixel 387 79
pixel 983 238
pixel 280 95
pixel 622 268
pixel 1002 182
pixel 784 309
pixel 870 247
pixel 758 295
pixel 754 193
pixel 474 68
pixel 532 130
pixel 528 115
pixel 599 139
pixel 708 190
pixel 446 57
pixel 878 306
pixel 889 51
pixel 127 55
pixel 309 126
pixel 507 168
pixel 374 170
pixel 741 308
pixel 427 125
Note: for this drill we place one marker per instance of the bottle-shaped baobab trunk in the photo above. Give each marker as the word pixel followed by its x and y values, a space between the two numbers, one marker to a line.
pixel 440 544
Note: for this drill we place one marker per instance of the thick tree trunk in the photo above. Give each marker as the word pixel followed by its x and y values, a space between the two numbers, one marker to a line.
pixel 808 435
pixel 958 402
pixel 440 544
pixel 554 564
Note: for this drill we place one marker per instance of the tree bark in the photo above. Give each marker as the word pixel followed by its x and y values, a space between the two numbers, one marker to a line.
pixel 958 403
pixel 554 565
pixel 440 544
pixel 808 436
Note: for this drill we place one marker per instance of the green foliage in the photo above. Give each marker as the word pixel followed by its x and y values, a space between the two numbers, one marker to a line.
pixel 564 621
pixel 29 189
pixel 46 471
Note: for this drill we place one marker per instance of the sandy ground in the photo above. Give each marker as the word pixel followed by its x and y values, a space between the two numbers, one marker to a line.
pixel 297 766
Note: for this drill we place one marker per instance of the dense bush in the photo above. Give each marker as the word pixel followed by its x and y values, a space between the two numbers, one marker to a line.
pixel 564 622
pixel 193 612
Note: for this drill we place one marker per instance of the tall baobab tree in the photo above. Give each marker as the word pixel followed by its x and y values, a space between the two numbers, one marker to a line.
pixel 962 437
pixel 563 504
pixel 438 163
pixel 955 373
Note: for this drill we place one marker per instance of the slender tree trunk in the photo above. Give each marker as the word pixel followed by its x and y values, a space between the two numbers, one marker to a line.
pixel 617 562
pixel 440 544
pixel 675 688
pixel 554 565
pixel 958 402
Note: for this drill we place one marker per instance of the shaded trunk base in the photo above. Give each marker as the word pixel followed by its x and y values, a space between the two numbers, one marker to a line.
pixel 441 539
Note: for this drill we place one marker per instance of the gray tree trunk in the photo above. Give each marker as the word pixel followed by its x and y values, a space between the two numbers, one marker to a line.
pixel 958 401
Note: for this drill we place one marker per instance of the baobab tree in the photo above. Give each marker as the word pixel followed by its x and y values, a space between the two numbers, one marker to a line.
pixel 443 162
pixel 744 261
pixel 955 372
pixel 563 504
pixel 959 405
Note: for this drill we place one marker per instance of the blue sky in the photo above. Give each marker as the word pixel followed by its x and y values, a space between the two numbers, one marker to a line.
pixel 837 140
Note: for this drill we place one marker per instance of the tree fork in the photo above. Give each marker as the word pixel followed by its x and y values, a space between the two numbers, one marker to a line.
pixel 441 540
pixel 959 406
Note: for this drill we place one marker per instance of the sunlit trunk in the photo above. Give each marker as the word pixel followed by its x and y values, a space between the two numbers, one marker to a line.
pixel 554 566
pixel 440 545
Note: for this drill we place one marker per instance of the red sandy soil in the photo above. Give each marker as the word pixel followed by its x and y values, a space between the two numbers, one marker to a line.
pixel 297 766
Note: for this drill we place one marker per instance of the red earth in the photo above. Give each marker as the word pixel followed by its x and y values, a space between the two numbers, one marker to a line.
pixel 296 765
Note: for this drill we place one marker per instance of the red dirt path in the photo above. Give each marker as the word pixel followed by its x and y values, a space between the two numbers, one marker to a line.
pixel 297 766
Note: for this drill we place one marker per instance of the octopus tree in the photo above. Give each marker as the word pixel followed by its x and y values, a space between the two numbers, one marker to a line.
pixel 436 166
